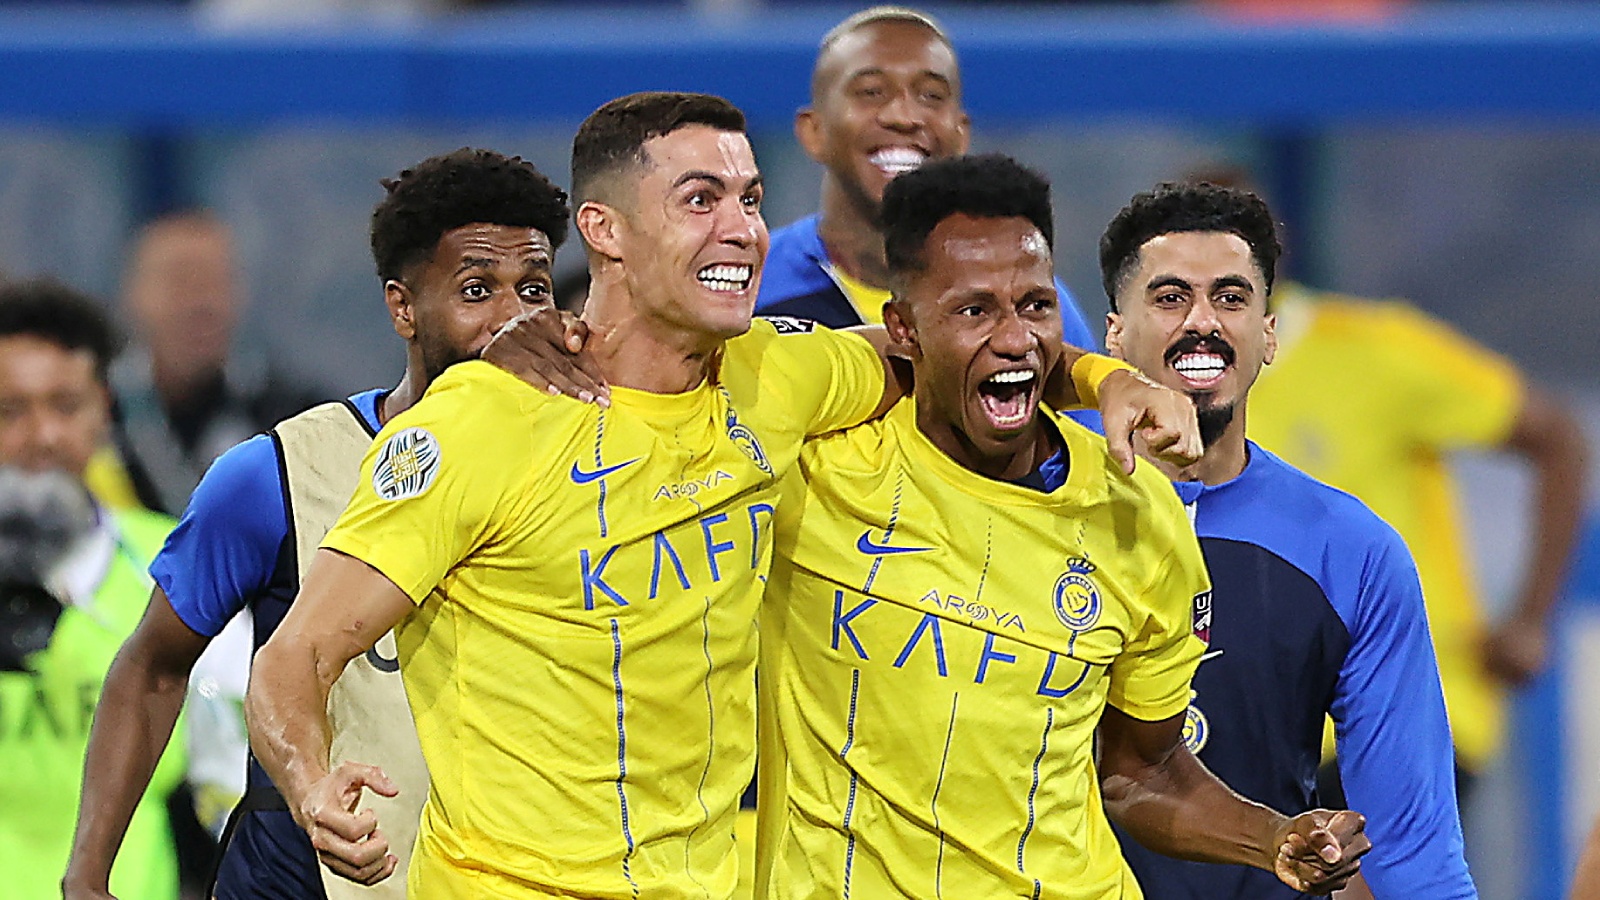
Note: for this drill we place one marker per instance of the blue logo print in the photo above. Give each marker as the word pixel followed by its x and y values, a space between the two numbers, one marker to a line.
pixel 744 438
pixel 866 545
pixel 579 476
pixel 1077 600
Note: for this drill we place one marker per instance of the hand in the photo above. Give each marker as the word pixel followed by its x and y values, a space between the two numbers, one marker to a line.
pixel 545 348
pixel 1320 850
pixel 1163 420
pixel 348 842
pixel 1516 650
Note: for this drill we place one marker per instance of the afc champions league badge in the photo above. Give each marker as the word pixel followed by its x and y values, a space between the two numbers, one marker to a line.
pixel 1196 730
pixel 1077 600
pixel 407 464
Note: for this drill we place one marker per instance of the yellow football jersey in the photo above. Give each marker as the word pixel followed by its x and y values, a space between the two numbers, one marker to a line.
pixel 937 649
pixel 867 300
pixel 581 662
pixel 1432 391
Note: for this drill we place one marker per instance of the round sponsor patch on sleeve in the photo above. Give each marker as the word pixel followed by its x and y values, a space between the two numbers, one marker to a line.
pixel 407 464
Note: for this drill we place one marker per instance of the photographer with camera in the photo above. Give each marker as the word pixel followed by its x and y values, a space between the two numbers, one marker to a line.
pixel 72 586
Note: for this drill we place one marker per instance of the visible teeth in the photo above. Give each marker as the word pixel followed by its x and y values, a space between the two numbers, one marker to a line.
pixel 725 277
pixel 1016 377
pixel 1201 364
pixel 895 160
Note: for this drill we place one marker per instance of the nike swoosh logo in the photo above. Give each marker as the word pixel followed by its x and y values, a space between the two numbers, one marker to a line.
pixel 1212 655
pixel 865 545
pixel 579 476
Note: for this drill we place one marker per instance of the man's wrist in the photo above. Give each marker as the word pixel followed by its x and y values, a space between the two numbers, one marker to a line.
pixel 1090 371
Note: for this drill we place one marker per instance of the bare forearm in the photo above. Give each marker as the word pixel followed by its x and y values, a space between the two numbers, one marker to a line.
pixel 1179 809
pixel 286 712
pixel 133 722
pixel 1561 470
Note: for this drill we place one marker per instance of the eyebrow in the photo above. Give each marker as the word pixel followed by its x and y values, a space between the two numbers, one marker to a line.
pixel 474 262
pixel 1233 281
pixel 879 70
pixel 714 179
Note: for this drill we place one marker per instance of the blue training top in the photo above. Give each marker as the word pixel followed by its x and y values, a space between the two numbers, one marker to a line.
pixel 231 549
pixel 227 549
pixel 795 282
pixel 1316 609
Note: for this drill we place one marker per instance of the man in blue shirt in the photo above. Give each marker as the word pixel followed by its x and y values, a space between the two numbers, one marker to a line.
pixel 1315 609
pixel 885 97
pixel 463 243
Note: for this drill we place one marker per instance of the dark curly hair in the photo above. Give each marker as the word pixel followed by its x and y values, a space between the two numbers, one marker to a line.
pixel 615 134
pixel 51 311
pixel 987 185
pixel 1173 208
pixel 460 188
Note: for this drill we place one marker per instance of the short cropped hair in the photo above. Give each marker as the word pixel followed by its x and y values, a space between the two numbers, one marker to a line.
pixel 613 137
pixel 1175 208
pixel 989 185
pixel 867 17
pixel 461 188
pixel 51 311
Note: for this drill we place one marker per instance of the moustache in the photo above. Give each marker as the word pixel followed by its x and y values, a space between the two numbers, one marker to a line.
pixel 1194 343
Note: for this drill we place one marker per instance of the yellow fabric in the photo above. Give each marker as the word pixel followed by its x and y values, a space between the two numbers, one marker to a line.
pixel 1371 397
pixel 108 480
pixel 867 299
pixel 935 661
pixel 581 662
pixel 1089 371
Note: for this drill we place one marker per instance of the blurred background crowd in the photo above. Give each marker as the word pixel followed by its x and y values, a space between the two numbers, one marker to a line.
pixel 206 169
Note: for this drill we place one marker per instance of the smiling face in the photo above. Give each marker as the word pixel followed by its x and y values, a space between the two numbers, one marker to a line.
pixel 1193 316
pixel 886 98
pixel 479 277
pixel 693 240
pixel 982 323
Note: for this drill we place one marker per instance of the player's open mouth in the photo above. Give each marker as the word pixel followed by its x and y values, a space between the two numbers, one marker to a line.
pixel 1201 370
pixel 1008 398
pixel 726 278
pixel 894 160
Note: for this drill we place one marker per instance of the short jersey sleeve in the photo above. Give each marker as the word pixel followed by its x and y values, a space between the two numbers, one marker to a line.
pixel 1395 755
pixel 1459 393
pixel 437 479
pixel 834 379
pixel 225 547
pixel 1150 679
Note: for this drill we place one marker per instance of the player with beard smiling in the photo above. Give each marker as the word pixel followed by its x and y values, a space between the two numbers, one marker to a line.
pixel 1316 608
pixel 965 589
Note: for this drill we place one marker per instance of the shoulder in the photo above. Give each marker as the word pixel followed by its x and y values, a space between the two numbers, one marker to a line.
pixel 239 479
pixel 795 264
pixel 1325 532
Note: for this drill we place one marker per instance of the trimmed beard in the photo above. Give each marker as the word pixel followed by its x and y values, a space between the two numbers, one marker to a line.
pixel 1214 422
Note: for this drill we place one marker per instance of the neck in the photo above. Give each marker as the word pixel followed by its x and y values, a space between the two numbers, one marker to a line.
pixel 638 352
pixel 849 230
pixel 179 383
pixel 1223 461
pixel 1020 458
pixel 405 394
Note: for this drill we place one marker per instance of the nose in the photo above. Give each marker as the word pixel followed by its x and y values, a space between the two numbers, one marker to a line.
pixel 1202 318
pixel 901 113
pixel 740 225
pixel 1012 338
